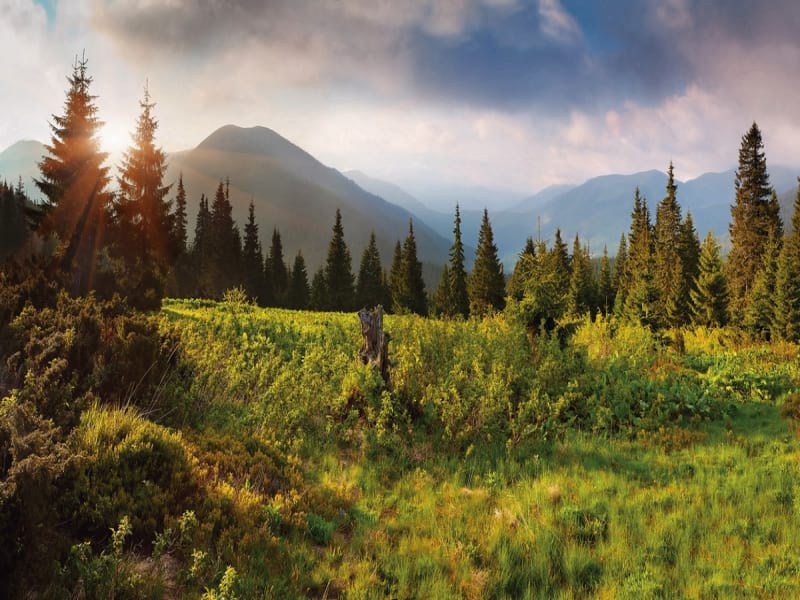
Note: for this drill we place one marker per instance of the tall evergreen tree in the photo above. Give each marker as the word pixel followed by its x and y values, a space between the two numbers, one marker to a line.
pixel 14 227
pixel 252 257
pixel 709 295
pixel 224 242
pixel 581 294
pixel 620 281
pixel 754 219
pixel 412 297
pixel 299 291
pixel 514 289
pixel 786 316
pixel 142 207
pixel 369 287
pixel 179 220
pixel 338 270
pixel 669 276
pixel 759 313
pixel 396 277
pixel 278 276
pixel 487 284
pixel 689 250
pixel 442 298
pixel 641 295
pixel 605 285
pixel 74 180
pixel 559 256
pixel 459 293
pixel 543 300
pixel 319 291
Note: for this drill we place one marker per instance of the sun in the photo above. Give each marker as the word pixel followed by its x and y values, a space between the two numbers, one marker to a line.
pixel 114 140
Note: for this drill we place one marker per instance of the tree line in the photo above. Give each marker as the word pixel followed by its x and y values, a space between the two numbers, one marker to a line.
pixel 135 242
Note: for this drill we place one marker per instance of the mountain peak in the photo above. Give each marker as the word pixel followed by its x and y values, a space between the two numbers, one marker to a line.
pixel 258 141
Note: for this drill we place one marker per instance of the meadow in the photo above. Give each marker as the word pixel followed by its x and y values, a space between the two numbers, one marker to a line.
pixel 609 463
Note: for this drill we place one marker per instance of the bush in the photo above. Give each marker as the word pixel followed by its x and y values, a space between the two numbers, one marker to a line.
pixel 131 467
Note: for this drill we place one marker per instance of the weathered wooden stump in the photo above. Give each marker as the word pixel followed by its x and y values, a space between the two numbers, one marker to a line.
pixel 375 347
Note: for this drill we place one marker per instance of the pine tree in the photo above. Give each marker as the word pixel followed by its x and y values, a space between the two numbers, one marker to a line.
pixel 486 284
pixel 369 287
pixel 668 276
pixel 759 312
pixel 179 220
pixel 14 227
pixel 412 297
pixel 278 276
pixel 299 292
pixel 543 300
pixel 786 317
pixel 580 297
pixel 458 303
pixel 689 250
pixel 754 219
pixel 396 278
pixel 224 242
pixel 620 281
pixel 710 291
pixel 559 255
pixel 641 293
pixel 338 270
pixel 319 291
pixel 142 208
pixel 605 286
pixel 252 258
pixel 74 180
pixel 442 299
pixel 514 289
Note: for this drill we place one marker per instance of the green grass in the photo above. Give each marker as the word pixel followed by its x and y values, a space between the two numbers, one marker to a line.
pixel 440 504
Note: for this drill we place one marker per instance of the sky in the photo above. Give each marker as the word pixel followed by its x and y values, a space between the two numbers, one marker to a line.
pixel 510 94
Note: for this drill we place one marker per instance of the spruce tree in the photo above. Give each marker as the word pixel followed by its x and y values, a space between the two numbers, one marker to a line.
pixel 278 276
pixel 709 295
pixel 338 270
pixel 754 219
pixel 514 289
pixel 224 242
pixel 442 298
pixel 641 293
pixel 252 258
pixel 179 220
pixel 396 278
pixel 369 286
pixel 74 180
pixel 759 313
pixel 620 279
pixel 141 206
pixel 605 285
pixel 559 256
pixel 486 284
pixel 543 300
pixel 689 250
pixel 299 291
pixel 458 303
pixel 580 297
pixel 786 316
pixel 668 276
pixel 319 291
pixel 412 296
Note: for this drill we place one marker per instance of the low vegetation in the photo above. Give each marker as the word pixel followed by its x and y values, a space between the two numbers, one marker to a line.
pixel 266 461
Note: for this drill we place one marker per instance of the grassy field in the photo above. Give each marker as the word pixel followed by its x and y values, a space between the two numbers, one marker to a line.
pixel 494 467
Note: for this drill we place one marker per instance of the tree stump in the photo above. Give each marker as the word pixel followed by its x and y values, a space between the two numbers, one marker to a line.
pixel 375 346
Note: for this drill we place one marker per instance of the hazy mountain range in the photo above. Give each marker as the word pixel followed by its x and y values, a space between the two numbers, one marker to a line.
pixel 299 195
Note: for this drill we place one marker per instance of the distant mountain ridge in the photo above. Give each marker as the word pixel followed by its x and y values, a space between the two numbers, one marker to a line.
pixel 295 193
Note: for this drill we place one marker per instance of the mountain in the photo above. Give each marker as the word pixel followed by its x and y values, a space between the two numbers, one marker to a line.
pixel 21 160
pixel 540 198
pixel 299 195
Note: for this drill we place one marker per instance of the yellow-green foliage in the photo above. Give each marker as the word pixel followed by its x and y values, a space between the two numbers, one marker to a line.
pixel 131 467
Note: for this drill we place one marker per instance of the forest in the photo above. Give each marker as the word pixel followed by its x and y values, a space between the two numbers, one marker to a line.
pixel 186 416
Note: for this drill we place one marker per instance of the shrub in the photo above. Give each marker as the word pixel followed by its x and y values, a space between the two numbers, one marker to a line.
pixel 132 467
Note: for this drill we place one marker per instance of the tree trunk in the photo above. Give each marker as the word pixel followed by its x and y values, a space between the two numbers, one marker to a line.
pixel 375 347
